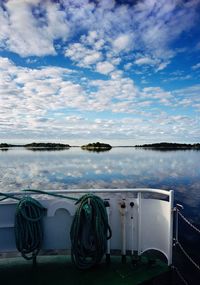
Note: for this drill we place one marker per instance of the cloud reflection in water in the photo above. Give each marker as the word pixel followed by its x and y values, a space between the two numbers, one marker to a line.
pixel 118 168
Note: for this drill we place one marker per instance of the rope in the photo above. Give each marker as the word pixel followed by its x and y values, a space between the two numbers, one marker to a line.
pixel 180 246
pixel 180 275
pixel 187 255
pixel 188 222
pixel 50 194
pixel 89 232
pixel 12 196
pixel 8 196
pixel 28 227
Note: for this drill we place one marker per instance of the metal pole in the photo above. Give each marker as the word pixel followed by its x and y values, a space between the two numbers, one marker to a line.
pixel 107 204
pixel 176 233
pixel 177 220
pixel 132 228
pixel 171 204
pixel 123 227
pixel 139 222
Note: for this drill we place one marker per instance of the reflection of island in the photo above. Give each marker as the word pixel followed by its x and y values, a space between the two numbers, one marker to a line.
pixel 96 147
pixel 170 146
pixel 46 146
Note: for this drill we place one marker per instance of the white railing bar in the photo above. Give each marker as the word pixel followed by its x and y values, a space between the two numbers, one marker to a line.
pixel 76 191
pixel 139 223
pixel 170 241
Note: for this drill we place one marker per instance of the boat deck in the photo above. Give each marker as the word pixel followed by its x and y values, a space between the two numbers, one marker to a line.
pixel 58 269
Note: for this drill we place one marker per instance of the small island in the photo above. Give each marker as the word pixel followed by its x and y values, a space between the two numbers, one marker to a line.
pixel 46 146
pixel 170 146
pixel 97 147
pixel 6 145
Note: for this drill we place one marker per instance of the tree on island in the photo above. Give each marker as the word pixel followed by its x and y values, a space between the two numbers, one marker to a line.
pixel 170 146
pixel 96 146
pixel 49 146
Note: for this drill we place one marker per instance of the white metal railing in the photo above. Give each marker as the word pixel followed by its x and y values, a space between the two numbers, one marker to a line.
pixel 146 225
pixel 105 190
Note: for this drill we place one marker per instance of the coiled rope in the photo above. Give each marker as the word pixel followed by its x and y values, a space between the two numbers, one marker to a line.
pixel 89 232
pixel 28 227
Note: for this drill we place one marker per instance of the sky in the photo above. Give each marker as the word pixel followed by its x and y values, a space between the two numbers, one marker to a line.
pixel 76 71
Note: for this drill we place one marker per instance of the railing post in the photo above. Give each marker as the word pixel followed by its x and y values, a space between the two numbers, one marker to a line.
pixel 139 222
pixel 171 202
pixel 176 226
pixel 123 229
pixel 177 221
pixel 132 228
pixel 107 205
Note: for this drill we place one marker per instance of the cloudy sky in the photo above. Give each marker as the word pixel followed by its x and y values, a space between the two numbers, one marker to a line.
pixel 124 72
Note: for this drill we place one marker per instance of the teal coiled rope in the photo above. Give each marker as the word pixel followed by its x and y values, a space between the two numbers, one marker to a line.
pixel 89 232
pixel 28 227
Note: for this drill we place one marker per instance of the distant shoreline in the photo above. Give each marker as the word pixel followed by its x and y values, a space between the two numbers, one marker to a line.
pixel 170 146
pixel 101 146
pixel 37 146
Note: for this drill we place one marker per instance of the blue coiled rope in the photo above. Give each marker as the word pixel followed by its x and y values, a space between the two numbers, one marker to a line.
pixel 28 227
pixel 89 232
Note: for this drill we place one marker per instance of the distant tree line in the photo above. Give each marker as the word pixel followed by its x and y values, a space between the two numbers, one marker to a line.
pixel 96 146
pixel 37 146
pixel 47 145
pixel 170 146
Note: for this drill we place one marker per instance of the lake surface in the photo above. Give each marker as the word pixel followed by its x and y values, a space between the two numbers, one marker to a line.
pixel 118 168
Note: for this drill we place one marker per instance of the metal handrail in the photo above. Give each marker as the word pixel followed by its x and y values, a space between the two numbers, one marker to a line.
pixel 124 190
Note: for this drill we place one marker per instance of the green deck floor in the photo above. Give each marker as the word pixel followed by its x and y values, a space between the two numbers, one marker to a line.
pixel 59 270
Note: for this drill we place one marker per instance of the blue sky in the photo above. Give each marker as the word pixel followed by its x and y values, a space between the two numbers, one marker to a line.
pixel 124 72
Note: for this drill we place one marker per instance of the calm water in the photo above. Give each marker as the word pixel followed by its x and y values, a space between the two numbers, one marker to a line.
pixel 118 168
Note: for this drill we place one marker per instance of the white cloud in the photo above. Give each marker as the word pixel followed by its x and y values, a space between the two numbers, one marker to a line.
pixel 104 28
pixel 159 95
pixel 196 66
pixel 104 67
pixel 157 63
pixel 42 93
pixel 160 23
pixel 23 33
pixel 127 66
pixel 145 60
pixel 82 56
pixel 56 102
pixel 162 65
pixel 32 93
pixel 93 39
pixel 178 78
pixel 122 42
